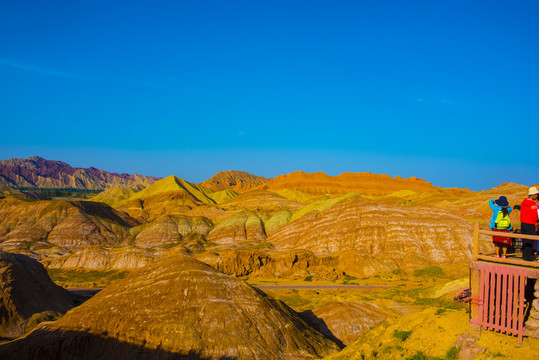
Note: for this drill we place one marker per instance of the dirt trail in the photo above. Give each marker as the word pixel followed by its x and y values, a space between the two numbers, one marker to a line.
pixel 318 287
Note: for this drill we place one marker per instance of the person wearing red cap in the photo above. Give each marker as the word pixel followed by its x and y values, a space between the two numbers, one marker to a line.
pixel 528 222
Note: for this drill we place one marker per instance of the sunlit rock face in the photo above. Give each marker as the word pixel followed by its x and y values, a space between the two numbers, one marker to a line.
pixel 171 230
pixel 103 258
pixel 361 183
pixel 25 291
pixel 238 181
pixel 346 321
pixel 242 228
pixel 370 237
pixel 170 195
pixel 68 224
pixel 290 264
pixel 38 172
pixel 236 262
pixel 176 308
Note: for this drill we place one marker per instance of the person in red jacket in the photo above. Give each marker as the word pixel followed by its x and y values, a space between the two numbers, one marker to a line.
pixel 528 222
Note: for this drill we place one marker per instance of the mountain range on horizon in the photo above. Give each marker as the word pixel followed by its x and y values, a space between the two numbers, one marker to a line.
pixel 42 173
pixel 37 172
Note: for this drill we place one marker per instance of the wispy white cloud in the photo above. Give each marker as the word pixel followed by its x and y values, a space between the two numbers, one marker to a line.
pixel 434 101
pixel 167 81
pixel 35 69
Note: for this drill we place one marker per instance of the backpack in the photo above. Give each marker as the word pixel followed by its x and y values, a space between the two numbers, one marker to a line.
pixel 502 222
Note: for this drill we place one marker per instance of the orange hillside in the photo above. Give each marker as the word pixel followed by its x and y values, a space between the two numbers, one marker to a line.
pixel 361 183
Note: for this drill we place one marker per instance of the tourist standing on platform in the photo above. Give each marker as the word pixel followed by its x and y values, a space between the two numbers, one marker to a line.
pixel 500 221
pixel 537 227
pixel 528 222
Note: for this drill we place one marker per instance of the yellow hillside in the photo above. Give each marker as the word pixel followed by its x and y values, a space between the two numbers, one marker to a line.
pixel 434 333
pixel 114 196
pixel 173 184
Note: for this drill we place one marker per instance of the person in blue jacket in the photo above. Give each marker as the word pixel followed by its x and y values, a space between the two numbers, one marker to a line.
pixel 501 222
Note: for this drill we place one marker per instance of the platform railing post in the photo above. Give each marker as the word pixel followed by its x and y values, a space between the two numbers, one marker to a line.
pixel 475 241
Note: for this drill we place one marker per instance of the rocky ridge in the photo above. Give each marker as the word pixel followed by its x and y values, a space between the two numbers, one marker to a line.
pixel 362 183
pixel 346 321
pixel 238 181
pixel 170 195
pixel 41 224
pixel 176 308
pixel 38 172
pixel 27 294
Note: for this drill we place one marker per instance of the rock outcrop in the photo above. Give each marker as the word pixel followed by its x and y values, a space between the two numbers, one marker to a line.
pixel 532 324
pixel 115 196
pixel 346 321
pixel 238 181
pixel 362 183
pixel 27 294
pixel 176 308
pixel 240 229
pixel 171 230
pixel 369 236
pixel 96 257
pixel 38 172
pixel 260 199
pixel 170 195
pixel 68 224
pixel 291 264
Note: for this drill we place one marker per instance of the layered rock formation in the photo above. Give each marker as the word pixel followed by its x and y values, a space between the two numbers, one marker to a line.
pixel 115 196
pixel 38 172
pixel 346 321
pixel 68 224
pixel 97 257
pixel 171 230
pixel 259 199
pixel 238 181
pixel 26 292
pixel 7 192
pixel 170 195
pixel 240 229
pixel 177 308
pixel 401 226
pixel 369 236
pixel 361 183
pixel 291 264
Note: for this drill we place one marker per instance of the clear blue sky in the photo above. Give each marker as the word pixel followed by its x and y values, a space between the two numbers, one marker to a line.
pixel 445 90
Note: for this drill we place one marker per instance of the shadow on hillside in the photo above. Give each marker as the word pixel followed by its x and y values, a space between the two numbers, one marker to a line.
pixel 80 296
pixel 73 345
pixel 319 324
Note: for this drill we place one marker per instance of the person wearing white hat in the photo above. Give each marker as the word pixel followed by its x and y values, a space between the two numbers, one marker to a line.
pixel 528 222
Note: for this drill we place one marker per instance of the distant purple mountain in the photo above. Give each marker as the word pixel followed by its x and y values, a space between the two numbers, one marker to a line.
pixel 38 172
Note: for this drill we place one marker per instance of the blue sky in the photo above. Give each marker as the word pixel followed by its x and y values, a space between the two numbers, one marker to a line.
pixel 443 90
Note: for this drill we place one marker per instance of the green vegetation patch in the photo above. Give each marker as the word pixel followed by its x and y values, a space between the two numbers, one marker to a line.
pixel 402 335
pixel 451 354
pixel 62 192
pixel 295 301
pixel 430 271
pixel 89 278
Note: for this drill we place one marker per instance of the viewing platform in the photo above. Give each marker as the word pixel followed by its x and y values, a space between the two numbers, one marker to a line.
pixel 504 292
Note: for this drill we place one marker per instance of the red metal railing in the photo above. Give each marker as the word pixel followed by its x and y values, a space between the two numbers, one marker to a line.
pixel 501 298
